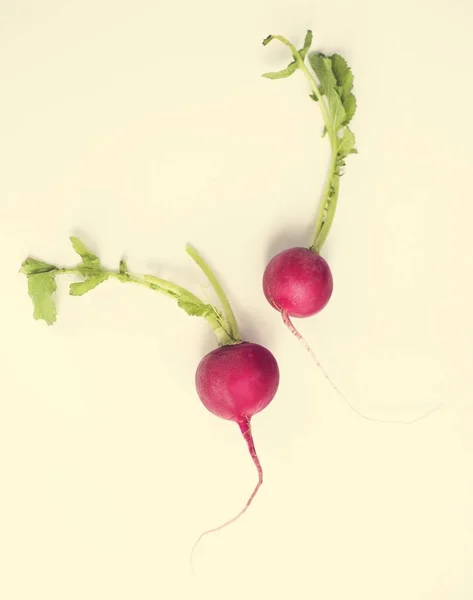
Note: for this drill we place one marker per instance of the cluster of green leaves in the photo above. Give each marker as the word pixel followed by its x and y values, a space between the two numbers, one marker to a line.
pixel 42 285
pixel 42 280
pixel 331 82
pixel 336 84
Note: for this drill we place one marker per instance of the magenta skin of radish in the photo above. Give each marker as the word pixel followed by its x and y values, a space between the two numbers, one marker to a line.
pixel 236 382
pixel 298 282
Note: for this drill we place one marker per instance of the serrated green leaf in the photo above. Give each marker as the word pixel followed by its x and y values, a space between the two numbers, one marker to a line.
pixel 89 259
pixel 82 287
pixel 344 78
pixel 287 72
pixel 343 74
pixel 349 103
pixel 322 66
pixel 193 309
pixel 31 266
pixel 347 143
pixel 336 110
pixel 41 287
pixel 307 44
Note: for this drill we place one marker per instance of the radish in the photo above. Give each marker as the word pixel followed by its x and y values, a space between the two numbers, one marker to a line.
pixel 235 381
pixel 298 282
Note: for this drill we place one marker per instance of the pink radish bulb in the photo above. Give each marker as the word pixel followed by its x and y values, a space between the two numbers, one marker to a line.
pixel 298 282
pixel 236 382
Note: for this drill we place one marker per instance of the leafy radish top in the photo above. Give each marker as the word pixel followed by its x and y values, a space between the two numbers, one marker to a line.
pixel 331 87
pixel 42 287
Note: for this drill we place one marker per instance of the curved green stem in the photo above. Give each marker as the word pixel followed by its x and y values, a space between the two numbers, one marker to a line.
pixel 161 285
pixel 172 290
pixel 320 219
pixel 327 204
pixel 330 205
pixel 226 306
pixel 42 286
pixel 219 326
pixel 150 281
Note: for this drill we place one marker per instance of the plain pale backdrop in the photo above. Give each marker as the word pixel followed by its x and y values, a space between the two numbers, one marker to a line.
pixel 143 125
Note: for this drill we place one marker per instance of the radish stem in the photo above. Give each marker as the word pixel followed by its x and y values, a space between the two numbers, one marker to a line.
pixel 224 327
pixel 227 309
pixel 333 127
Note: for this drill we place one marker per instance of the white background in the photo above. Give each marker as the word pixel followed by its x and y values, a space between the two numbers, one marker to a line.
pixel 144 125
